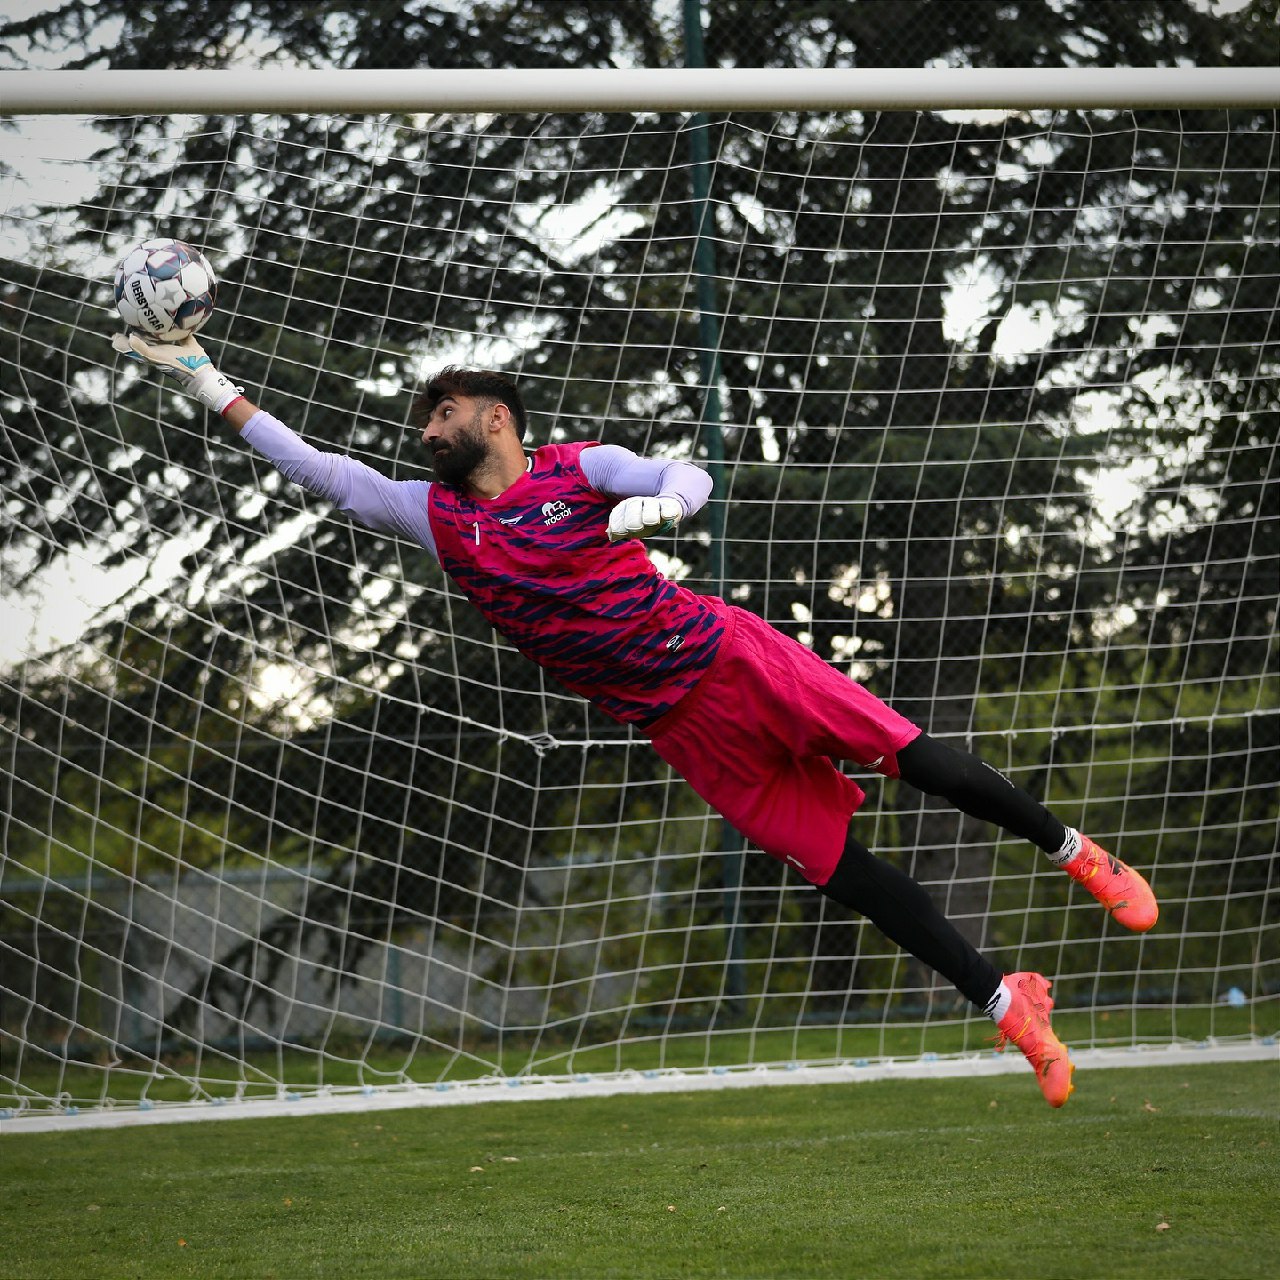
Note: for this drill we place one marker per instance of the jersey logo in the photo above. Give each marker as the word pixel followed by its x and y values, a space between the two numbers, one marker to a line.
pixel 510 519
pixel 674 642
pixel 554 512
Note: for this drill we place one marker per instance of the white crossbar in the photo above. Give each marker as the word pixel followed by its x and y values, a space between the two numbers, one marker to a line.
pixel 638 89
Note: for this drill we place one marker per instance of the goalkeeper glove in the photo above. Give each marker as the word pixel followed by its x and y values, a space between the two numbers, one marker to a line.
pixel 187 363
pixel 643 517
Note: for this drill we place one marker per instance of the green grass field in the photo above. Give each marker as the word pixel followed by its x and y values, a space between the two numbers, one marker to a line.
pixel 1162 1171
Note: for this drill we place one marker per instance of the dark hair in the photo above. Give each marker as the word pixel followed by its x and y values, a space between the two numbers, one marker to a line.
pixel 481 384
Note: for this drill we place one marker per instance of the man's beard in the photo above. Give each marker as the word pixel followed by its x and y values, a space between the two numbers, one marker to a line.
pixel 469 449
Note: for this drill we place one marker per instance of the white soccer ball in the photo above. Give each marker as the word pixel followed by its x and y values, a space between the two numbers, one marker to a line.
pixel 165 289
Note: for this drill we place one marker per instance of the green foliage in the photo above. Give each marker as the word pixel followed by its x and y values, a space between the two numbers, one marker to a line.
pixel 946 473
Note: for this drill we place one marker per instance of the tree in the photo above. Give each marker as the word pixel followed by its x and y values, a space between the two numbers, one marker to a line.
pixel 931 485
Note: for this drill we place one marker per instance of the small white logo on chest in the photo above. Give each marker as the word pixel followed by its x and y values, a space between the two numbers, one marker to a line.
pixel 554 512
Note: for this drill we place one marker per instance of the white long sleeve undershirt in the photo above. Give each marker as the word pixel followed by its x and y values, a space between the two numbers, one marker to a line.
pixel 399 507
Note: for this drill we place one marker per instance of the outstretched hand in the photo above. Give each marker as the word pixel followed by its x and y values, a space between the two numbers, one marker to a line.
pixel 643 517
pixel 186 362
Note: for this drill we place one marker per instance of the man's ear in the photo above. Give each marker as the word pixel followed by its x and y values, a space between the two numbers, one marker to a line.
pixel 499 416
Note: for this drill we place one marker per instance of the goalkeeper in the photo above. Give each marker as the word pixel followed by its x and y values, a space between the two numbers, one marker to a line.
pixel 546 545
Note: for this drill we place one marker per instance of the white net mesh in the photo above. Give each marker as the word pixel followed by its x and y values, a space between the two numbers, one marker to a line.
pixel 991 404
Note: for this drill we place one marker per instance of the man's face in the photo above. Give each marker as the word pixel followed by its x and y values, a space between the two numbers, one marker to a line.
pixel 455 433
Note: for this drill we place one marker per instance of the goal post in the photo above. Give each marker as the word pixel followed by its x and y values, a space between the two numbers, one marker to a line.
pixel 997 378
pixel 622 89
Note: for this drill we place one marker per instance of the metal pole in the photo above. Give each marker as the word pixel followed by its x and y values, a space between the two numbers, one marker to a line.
pixel 286 90
pixel 704 262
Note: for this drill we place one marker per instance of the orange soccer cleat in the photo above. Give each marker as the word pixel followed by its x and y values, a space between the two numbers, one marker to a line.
pixel 1118 887
pixel 1027 1025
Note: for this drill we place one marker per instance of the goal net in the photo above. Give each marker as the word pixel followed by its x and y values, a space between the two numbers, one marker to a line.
pixel 991 405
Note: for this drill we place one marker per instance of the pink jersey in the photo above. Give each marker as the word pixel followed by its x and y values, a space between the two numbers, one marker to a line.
pixel 597 615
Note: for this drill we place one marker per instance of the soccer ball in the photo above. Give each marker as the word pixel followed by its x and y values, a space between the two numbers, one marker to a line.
pixel 165 289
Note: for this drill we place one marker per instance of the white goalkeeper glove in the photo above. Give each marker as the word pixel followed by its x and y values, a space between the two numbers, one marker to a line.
pixel 187 363
pixel 643 517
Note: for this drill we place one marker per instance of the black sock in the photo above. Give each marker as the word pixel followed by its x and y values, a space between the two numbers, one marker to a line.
pixel 977 789
pixel 902 910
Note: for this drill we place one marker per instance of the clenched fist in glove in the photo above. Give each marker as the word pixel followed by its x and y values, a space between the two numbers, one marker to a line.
pixel 187 363
pixel 643 517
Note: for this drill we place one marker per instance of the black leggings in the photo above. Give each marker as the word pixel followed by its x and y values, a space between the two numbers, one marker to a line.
pixel 898 906
pixel 977 789
pixel 905 914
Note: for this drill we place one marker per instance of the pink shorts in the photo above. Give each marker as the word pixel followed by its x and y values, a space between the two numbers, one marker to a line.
pixel 757 736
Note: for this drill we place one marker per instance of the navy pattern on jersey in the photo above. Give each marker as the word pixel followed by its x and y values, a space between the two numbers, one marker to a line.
pixel 597 615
